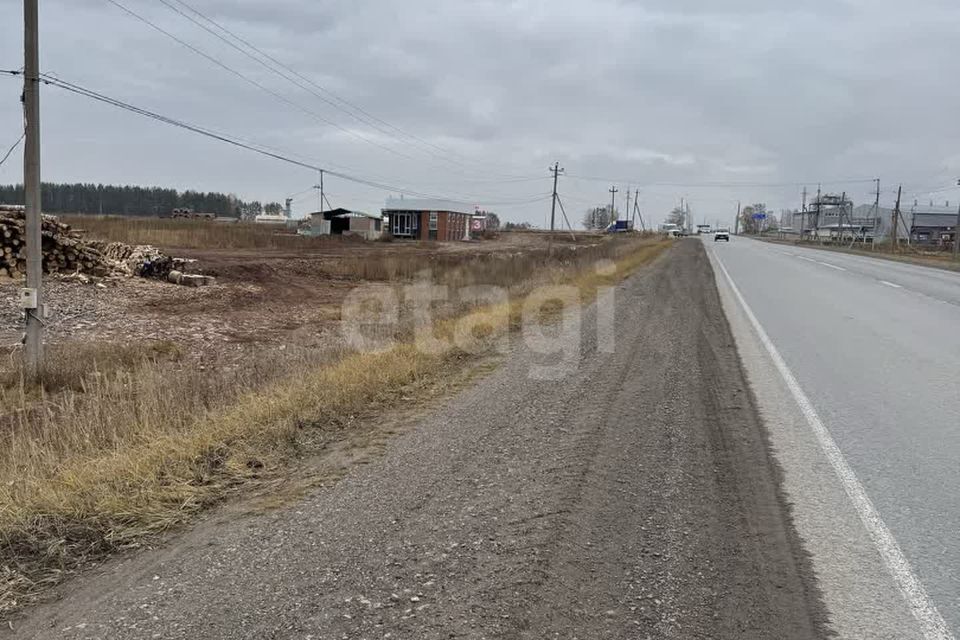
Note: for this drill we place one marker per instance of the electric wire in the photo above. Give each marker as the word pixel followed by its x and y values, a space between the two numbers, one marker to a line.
pixel 717 184
pixel 348 107
pixel 256 148
pixel 291 76
pixel 14 146
pixel 258 85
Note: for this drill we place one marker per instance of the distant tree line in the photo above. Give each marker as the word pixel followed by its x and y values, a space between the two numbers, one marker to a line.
pixel 600 217
pixel 750 223
pixel 134 201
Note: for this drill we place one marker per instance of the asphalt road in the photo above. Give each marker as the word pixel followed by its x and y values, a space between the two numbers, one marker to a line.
pixel 874 348
pixel 633 497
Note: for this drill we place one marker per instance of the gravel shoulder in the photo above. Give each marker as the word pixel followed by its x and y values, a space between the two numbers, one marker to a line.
pixel 633 498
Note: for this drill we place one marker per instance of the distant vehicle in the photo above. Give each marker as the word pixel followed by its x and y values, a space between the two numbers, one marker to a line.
pixel 721 234
pixel 670 229
pixel 704 228
pixel 620 226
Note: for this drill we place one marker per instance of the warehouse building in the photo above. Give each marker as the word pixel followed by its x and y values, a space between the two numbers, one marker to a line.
pixel 422 219
pixel 933 224
pixel 345 222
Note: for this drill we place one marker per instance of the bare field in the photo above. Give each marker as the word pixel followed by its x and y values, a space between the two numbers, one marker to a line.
pixel 163 398
pixel 274 288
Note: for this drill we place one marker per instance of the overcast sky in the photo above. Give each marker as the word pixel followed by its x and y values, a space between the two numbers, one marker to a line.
pixel 661 95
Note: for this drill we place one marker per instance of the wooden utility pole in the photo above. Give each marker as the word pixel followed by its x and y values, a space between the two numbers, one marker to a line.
pixel 613 202
pixel 896 221
pixel 32 297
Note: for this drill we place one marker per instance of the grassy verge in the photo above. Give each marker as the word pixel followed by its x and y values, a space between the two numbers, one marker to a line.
pixel 141 448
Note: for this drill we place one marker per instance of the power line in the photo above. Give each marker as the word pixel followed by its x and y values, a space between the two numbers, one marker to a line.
pixel 293 80
pixel 15 145
pixel 260 149
pixel 720 184
pixel 256 84
pixel 303 82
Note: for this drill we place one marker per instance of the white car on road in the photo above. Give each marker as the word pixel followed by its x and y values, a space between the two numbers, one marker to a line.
pixel 721 234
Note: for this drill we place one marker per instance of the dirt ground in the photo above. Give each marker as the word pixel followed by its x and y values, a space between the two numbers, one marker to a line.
pixel 262 299
pixel 634 497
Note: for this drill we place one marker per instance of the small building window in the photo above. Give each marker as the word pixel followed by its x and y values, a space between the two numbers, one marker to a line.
pixel 433 220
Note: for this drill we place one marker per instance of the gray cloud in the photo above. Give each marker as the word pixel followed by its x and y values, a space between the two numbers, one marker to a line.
pixel 679 91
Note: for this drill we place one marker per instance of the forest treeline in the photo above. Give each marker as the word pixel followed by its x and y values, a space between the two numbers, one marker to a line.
pixel 134 201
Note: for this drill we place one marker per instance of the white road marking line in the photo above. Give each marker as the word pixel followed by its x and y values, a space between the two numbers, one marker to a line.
pixel 832 266
pixel 820 262
pixel 932 624
pixel 891 284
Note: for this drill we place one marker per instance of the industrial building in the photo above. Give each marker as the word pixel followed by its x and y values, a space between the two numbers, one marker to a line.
pixel 426 219
pixel 346 222
pixel 932 224
pixel 833 217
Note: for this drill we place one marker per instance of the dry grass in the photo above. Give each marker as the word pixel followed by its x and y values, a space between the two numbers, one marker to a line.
pixel 193 234
pixel 68 366
pixel 504 269
pixel 142 442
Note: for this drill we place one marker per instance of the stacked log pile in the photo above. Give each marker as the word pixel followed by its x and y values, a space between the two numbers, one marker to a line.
pixel 63 249
pixel 66 251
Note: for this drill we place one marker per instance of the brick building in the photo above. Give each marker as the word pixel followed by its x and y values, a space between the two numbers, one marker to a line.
pixel 427 219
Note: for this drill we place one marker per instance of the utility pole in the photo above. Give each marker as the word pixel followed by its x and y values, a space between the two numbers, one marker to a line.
pixel 32 297
pixel 636 211
pixel 896 221
pixel 320 194
pixel 553 205
pixel 956 233
pixel 876 219
pixel 736 221
pixel 843 207
pixel 803 213
pixel 876 203
pixel 816 221
pixel 613 202
pixel 626 211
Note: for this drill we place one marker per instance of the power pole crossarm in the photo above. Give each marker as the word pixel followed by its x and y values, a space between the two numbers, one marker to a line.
pixel 33 304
